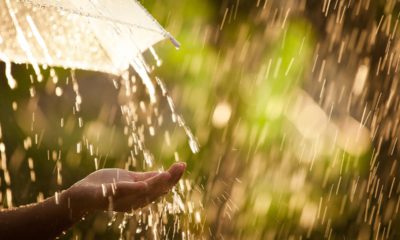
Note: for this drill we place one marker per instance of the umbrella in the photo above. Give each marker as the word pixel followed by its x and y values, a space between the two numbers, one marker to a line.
pixel 100 35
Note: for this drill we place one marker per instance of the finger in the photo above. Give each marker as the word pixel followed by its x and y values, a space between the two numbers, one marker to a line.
pixel 129 196
pixel 160 181
pixel 131 188
pixel 158 186
pixel 131 201
pixel 166 180
pixel 141 176
pixel 128 203
pixel 153 185
pixel 176 171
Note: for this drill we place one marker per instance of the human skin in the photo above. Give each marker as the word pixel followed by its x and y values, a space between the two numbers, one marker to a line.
pixel 107 189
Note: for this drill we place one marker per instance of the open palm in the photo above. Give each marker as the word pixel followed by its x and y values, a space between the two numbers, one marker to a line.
pixel 120 190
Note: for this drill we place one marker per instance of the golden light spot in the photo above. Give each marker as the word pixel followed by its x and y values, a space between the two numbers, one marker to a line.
pixel 222 114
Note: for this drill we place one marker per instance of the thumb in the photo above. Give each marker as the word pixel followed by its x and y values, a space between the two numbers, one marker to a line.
pixel 176 171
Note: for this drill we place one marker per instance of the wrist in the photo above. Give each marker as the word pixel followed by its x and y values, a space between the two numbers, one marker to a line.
pixel 76 208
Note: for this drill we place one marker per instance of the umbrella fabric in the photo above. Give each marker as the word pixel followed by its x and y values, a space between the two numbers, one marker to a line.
pixel 100 35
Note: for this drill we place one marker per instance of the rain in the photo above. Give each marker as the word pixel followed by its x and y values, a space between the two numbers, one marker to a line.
pixel 287 113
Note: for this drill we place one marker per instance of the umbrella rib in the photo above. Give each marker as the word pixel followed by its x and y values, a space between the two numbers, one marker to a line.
pixel 105 51
pixel 165 33
pixel 99 17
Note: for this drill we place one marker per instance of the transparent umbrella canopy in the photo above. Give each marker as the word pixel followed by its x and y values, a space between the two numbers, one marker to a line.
pixel 100 35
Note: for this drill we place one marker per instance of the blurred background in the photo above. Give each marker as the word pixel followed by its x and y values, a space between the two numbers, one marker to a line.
pixel 295 106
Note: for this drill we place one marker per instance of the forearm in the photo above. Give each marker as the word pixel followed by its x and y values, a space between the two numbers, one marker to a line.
pixel 44 220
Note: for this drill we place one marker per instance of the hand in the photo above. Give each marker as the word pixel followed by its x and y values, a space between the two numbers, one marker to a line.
pixel 119 190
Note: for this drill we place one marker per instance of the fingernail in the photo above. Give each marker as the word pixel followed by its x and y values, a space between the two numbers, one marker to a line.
pixel 177 167
pixel 182 164
pixel 177 171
